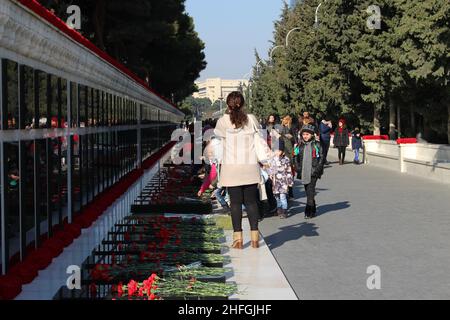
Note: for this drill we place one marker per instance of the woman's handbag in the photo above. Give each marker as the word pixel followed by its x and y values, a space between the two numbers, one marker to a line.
pixel 262 186
pixel 263 152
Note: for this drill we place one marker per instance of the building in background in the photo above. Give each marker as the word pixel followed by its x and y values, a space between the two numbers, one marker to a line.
pixel 217 88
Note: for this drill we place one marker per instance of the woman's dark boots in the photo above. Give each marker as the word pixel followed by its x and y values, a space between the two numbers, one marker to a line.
pixel 310 211
pixel 313 210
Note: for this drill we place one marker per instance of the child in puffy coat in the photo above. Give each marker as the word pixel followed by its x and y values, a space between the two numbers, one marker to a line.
pixel 280 171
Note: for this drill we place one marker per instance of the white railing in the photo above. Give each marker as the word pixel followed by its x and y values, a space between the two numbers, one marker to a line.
pixel 425 160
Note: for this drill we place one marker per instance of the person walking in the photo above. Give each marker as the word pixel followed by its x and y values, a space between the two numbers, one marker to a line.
pixel 271 122
pixel 309 164
pixel 341 140
pixel 271 129
pixel 325 128
pixel 357 144
pixel 280 171
pixel 240 170
pixel 287 140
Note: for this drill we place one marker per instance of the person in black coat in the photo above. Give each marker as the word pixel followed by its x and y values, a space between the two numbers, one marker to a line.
pixel 356 144
pixel 341 140
pixel 309 166
pixel 325 129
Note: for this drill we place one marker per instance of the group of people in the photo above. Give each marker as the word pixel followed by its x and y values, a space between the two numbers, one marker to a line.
pixel 323 132
pixel 271 165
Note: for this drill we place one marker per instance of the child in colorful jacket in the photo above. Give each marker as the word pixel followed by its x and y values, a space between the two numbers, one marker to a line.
pixel 280 171
pixel 309 165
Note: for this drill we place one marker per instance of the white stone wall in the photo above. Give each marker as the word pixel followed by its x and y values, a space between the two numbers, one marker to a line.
pixel 425 160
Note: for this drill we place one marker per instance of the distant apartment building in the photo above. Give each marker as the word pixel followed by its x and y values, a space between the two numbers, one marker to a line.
pixel 216 88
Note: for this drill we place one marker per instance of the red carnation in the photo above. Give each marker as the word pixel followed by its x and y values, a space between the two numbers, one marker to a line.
pixel 120 289
pixel 132 287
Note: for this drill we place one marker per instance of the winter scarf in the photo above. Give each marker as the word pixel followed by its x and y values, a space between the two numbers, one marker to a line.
pixel 307 163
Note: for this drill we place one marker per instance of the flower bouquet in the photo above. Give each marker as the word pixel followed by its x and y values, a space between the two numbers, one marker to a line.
pixel 170 258
pixel 160 219
pixel 113 273
pixel 155 288
pixel 137 247
pixel 155 235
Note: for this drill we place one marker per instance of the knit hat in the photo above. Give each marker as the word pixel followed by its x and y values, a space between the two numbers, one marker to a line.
pixel 308 128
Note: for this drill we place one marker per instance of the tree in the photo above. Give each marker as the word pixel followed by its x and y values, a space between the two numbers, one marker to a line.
pixel 155 39
pixel 424 40
pixel 197 106
pixel 371 76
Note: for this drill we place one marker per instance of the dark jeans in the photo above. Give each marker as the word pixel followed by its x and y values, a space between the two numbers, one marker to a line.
pixel 244 195
pixel 325 148
pixel 311 192
pixel 341 153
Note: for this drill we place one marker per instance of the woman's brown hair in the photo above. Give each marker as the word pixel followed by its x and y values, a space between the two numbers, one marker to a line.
pixel 287 121
pixel 236 102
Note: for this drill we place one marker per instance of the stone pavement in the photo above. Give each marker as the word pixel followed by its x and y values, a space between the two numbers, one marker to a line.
pixel 256 272
pixel 366 216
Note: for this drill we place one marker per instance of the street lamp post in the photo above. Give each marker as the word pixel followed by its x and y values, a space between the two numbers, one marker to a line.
pixel 289 33
pixel 287 42
pixel 273 50
pixel 316 19
pixel 257 65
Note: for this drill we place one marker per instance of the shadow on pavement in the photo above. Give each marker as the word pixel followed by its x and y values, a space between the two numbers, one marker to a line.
pixel 329 208
pixel 298 207
pixel 291 233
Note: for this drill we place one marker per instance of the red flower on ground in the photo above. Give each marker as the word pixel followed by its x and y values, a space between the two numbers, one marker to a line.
pixel 132 287
pixel 120 289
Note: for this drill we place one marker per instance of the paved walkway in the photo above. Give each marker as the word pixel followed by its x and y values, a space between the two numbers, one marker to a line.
pixel 366 216
pixel 256 272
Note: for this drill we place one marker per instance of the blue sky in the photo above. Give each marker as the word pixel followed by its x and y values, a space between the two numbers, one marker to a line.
pixel 231 30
